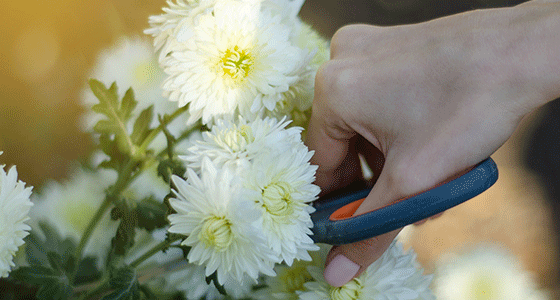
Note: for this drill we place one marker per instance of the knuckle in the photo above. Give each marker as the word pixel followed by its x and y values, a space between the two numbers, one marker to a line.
pixel 341 38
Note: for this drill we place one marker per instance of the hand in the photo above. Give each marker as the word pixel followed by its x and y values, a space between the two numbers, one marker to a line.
pixel 425 102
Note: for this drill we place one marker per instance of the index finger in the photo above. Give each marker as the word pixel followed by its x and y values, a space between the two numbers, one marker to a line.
pixel 334 154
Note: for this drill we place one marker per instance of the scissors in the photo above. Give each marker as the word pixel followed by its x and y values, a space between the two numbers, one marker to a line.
pixel 334 223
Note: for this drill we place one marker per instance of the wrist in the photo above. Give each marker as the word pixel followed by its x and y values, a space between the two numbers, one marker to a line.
pixel 513 52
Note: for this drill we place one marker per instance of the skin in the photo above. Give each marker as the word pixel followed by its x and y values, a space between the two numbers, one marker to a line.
pixel 424 102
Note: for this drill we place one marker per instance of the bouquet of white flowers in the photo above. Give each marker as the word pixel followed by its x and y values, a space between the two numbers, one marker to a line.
pixel 205 192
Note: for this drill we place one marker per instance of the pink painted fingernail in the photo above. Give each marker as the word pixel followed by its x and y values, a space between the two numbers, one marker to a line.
pixel 340 271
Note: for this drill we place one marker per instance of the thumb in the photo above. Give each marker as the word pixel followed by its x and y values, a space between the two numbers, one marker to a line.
pixel 345 262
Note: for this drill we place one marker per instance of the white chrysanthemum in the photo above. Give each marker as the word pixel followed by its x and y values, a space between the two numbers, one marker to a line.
pixel 486 272
pixel 132 63
pixel 70 205
pixel 221 224
pixel 192 281
pixel 395 275
pixel 175 25
pixel 306 37
pixel 14 208
pixel 296 102
pixel 237 144
pixel 291 279
pixel 234 62
pixel 284 182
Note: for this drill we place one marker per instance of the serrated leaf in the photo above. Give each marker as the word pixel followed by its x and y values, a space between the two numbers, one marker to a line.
pixel 87 271
pixel 116 158
pixel 55 261
pixel 124 237
pixel 52 284
pixel 124 283
pixel 37 250
pixel 35 275
pixel 117 113
pixel 151 214
pixel 105 126
pixel 142 125
pixel 54 291
pixel 128 104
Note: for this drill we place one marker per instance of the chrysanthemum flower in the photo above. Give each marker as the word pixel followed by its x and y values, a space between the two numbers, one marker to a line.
pixel 232 62
pixel 192 282
pixel 284 182
pixel 486 272
pixel 237 144
pixel 221 224
pixel 291 279
pixel 395 275
pixel 14 208
pixel 70 205
pixel 271 160
pixel 296 102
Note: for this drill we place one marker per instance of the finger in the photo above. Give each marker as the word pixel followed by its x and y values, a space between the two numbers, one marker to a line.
pixel 335 155
pixel 348 261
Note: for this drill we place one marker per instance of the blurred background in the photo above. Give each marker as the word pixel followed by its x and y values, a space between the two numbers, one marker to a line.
pixel 47 49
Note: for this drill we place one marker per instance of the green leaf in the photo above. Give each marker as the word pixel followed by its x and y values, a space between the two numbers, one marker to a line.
pixel 142 125
pixel 124 283
pixel 151 214
pixel 55 261
pixel 128 104
pixel 124 237
pixel 117 113
pixel 35 275
pixel 87 271
pixel 54 291
pixel 52 284
pixel 147 292
pixel 168 167
pixel 52 249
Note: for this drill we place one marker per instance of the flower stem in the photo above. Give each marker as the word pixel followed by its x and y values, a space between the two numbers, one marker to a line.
pixel 153 134
pixel 117 188
pixel 99 289
pixel 154 250
pixel 88 231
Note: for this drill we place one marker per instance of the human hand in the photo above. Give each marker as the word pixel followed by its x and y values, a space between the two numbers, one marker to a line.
pixel 425 101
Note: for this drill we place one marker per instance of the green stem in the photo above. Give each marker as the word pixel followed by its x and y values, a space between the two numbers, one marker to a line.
pixel 154 250
pixel 89 230
pixel 122 182
pixel 153 134
pixel 98 290
pixel 125 177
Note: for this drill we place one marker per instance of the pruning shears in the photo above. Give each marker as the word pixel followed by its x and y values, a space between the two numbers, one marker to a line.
pixel 334 223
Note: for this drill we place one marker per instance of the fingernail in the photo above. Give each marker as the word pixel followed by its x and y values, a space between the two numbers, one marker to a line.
pixel 340 270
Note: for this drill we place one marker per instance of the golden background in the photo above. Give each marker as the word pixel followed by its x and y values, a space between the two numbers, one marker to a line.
pixel 48 47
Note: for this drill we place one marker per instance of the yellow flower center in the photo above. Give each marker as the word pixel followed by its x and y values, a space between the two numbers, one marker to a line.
pixel 277 199
pixel 349 291
pixel 237 139
pixel 236 63
pixel 483 288
pixel 216 233
pixel 146 72
pixel 293 278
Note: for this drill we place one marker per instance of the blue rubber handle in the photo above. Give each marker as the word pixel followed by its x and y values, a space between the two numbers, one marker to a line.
pixel 401 213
